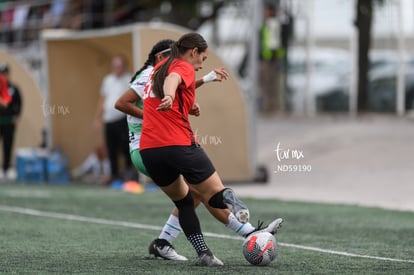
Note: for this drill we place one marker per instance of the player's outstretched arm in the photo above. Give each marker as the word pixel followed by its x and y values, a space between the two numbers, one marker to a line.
pixel 217 74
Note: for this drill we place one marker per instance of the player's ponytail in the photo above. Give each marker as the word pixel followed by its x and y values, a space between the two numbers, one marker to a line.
pixel 158 48
pixel 187 41
pixel 161 73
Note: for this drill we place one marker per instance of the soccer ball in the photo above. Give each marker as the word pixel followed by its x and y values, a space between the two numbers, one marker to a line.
pixel 260 248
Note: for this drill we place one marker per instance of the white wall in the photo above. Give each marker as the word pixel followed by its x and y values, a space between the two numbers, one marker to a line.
pixel 334 18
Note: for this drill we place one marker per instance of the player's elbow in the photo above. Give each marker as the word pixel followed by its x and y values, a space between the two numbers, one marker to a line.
pixel 119 105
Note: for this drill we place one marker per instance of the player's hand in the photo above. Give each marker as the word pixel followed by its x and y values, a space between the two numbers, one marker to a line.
pixel 166 103
pixel 217 74
pixel 221 74
pixel 195 110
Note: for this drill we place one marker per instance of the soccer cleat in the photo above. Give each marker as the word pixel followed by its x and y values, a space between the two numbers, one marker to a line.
pixel 208 259
pixel 162 248
pixel 236 206
pixel 272 228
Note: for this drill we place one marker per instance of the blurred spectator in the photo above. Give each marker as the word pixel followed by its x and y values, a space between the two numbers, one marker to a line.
pixel 96 167
pixel 73 16
pixel 125 11
pixel 22 21
pixel 269 45
pixel 5 97
pixel 19 23
pixel 48 15
pixel 114 121
pixel 6 22
pixel 35 22
pixel 95 14
pixel 9 117
pixel 57 8
pixel 45 17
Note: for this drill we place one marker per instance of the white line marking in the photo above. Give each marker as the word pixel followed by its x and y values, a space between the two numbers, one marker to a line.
pixel 34 212
pixel 16 193
pixel 340 253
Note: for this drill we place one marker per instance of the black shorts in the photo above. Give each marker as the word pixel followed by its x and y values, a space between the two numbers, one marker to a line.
pixel 165 164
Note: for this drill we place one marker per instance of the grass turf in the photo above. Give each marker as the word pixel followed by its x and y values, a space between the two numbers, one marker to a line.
pixel 42 245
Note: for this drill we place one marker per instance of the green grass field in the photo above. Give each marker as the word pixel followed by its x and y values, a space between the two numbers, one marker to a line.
pixel 93 230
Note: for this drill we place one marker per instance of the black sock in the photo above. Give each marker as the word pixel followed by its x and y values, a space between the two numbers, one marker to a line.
pixel 187 216
pixel 190 224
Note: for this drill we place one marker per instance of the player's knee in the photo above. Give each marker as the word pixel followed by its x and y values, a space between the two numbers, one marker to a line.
pixel 187 201
pixel 216 200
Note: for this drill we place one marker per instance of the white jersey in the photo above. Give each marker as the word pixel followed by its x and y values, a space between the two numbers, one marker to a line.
pixel 135 123
pixel 112 88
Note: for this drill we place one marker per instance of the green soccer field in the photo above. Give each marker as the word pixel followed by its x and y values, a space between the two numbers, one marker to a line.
pixel 93 230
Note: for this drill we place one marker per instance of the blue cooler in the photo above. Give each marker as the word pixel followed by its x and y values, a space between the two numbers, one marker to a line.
pixel 31 165
pixel 56 168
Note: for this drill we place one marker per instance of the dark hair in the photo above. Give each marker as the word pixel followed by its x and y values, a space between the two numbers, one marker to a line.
pixel 187 41
pixel 156 49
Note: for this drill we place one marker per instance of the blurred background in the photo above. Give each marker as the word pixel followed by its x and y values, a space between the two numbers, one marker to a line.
pixel 333 79
pixel 317 42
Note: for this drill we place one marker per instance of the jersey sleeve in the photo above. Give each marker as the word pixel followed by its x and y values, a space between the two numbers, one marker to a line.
pixel 138 85
pixel 185 70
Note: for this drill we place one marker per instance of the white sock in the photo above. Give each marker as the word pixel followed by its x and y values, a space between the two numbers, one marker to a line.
pixel 90 162
pixel 171 229
pixel 106 167
pixel 241 229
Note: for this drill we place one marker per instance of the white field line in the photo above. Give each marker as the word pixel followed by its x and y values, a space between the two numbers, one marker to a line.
pixel 34 212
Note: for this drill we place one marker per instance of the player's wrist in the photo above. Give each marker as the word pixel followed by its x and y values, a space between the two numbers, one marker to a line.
pixel 172 98
pixel 211 76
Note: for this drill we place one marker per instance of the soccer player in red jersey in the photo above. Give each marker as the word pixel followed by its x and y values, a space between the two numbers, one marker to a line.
pixel 169 149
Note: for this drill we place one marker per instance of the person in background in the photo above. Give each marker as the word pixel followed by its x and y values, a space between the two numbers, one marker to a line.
pixel 269 49
pixel 73 16
pixel 19 23
pixel 96 167
pixel 113 121
pixel 11 106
